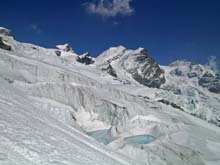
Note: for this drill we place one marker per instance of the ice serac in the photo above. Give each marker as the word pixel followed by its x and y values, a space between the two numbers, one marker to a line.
pixel 211 82
pixel 194 88
pixel 138 63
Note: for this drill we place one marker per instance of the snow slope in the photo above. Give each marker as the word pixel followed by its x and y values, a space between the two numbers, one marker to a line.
pixel 49 104
pixel 30 135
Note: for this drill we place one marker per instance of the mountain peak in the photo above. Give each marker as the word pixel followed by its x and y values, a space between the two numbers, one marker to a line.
pixel 141 51
pixel 117 47
pixel 110 54
pixel 5 32
pixel 137 63
pixel 65 47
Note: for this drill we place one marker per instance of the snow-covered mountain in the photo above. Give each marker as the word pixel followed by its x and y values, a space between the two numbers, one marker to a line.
pixel 133 63
pixel 57 107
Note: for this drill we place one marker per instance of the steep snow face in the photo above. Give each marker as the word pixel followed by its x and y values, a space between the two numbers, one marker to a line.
pixel 49 104
pixel 137 63
pixel 110 55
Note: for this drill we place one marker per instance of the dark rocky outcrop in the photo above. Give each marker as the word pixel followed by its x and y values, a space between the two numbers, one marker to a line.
pixel 85 59
pixel 110 70
pixel 192 74
pixel 58 53
pixel 4 46
pixel 144 69
pixel 211 82
pixel 137 63
pixel 171 104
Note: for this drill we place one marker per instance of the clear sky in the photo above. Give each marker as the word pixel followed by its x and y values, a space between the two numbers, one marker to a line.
pixel 168 29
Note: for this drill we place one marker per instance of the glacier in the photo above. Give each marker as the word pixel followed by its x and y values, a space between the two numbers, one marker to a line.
pixel 57 108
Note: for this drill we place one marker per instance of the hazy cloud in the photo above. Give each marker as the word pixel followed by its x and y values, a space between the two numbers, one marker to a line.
pixel 110 8
pixel 213 63
pixel 36 28
pixel 115 23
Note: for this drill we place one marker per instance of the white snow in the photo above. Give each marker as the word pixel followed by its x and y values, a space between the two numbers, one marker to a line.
pixel 48 103
pixel 146 118
pixel 65 47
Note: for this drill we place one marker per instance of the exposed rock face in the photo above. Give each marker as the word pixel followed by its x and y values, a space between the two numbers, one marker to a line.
pixel 110 70
pixel 58 53
pixel 192 74
pixel 137 63
pixel 211 82
pixel 6 32
pixel 171 104
pixel 65 48
pixel 144 69
pixel 85 59
pixel 4 46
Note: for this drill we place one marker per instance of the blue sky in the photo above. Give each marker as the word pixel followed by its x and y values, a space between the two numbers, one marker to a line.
pixel 169 29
